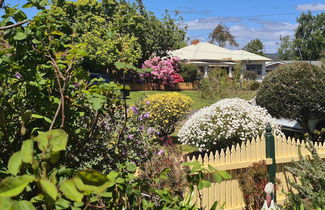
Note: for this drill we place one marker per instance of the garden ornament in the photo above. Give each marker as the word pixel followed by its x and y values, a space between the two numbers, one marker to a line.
pixel 269 202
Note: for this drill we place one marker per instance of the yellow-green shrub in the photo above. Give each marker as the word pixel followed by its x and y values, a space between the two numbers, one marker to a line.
pixel 166 109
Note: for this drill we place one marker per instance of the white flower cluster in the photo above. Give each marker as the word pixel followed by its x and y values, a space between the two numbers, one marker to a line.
pixel 227 120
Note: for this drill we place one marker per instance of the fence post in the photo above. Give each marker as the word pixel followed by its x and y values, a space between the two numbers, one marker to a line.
pixel 270 153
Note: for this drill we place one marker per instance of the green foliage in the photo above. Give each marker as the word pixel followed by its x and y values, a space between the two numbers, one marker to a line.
pixel 255 46
pixel 45 87
pixel 165 110
pixel 222 36
pixel 252 182
pixel 294 91
pixel 51 188
pixel 286 49
pixel 188 72
pixel 310 170
pixel 166 167
pixel 309 36
pixel 250 75
pixel 218 85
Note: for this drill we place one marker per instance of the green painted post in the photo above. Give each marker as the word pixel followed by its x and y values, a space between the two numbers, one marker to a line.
pixel 270 153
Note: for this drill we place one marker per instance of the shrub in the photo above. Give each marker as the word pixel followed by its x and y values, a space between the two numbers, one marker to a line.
pixel 227 122
pixel 310 171
pixel 188 72
pixel 251 85
pixel 250 75
pixel 294 91
pixel 163 71
pixel 252 182
pixel 168 160
pixel 165 110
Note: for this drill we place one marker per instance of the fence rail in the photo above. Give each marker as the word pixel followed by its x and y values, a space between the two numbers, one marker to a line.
pixel 237 158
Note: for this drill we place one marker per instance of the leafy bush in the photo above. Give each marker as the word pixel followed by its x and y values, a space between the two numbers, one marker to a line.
pixel 163 71
pixel 188 71
pixel 294 91
pixel 310 171
pixel 217 85
pixel 227 122
pixel 165 110
pixel 252 182
pixel 34 181
pixel 251 85
pixel 167 161
pixel 250 75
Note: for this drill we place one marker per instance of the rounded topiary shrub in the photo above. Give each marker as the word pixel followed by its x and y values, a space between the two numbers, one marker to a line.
pixel 295 91
pixel 166 109
pixel 225 123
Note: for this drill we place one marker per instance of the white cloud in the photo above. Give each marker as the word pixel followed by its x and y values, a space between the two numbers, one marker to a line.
pixel 209 23
pixel 244 34
pixel 311 7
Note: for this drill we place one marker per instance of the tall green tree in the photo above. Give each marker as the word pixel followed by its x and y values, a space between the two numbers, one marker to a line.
pixel 310 36
pixel 255 46
pixel 286 49
pixel 221 35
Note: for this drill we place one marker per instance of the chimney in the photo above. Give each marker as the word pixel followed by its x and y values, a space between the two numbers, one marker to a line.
pixel 195 41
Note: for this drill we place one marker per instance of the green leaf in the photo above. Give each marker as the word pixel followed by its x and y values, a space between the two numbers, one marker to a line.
pixel 20 36
pixel 23 205
pixel 15 162
pixel 78 204
pixel 49 188
pixel 131 167
pixel 112 176
pixel 62 204
pixel 120 180
pixel 224 174
pixel 27 151
pixel 206 183
pixel 55 139
pixel 70 191
pixel 13 186
pixel 120 65
pixel 6 203
pixel 217 177
pixel 92 177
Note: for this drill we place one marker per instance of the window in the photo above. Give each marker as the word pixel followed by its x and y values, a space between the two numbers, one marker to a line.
pixel 255 67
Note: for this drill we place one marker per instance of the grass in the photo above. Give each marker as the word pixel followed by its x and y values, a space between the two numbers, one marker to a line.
pixel 194 95
pixel 198 102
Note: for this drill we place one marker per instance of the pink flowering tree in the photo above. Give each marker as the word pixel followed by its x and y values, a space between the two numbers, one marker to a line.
pixel 163 71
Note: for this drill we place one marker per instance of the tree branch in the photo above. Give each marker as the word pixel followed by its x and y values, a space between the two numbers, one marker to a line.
pixel 13 25
pixel 1 3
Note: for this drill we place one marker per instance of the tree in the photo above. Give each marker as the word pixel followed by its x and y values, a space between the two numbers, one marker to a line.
pixel 286 50
pixel 310 36
pixel 294 91
pixel 222 36
pixel 255 46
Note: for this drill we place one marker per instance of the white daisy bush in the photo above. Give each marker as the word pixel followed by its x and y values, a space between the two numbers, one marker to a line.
pixel 227 122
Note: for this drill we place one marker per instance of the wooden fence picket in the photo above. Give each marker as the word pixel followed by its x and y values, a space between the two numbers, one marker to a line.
pixel 239 157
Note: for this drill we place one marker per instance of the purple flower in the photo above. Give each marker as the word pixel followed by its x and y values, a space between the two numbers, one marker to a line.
pixel 141 128
pixel 134 109
pixel 146 115
pixel 150 130
pixel 160 152
pixel 18 75
pixel 130 136
pixel 147 102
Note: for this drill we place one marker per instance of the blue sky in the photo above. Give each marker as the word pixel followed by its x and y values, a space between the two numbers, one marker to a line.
pixel 247 19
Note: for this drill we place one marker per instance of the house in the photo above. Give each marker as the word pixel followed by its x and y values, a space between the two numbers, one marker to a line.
pixel 207 56
pixel 275 64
